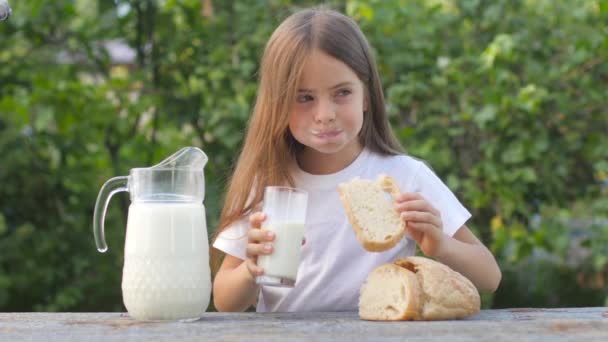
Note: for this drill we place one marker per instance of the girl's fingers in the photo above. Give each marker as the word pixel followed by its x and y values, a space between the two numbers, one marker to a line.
pixel 421 216
pixel 256 219
pixel 260 235
pixel 256 234
pixel 255 249
pixel 416 205
pixel 422 227
pixel 407 196
pixel 254 269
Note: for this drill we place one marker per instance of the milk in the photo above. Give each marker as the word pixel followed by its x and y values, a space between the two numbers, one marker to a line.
pixel 285 258
pixel 166 269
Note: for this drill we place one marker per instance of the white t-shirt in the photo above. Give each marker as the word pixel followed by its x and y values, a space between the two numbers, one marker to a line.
pixel 333 264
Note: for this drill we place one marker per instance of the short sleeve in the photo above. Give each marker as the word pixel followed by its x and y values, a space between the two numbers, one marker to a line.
pixel 233 240
pixel 453 214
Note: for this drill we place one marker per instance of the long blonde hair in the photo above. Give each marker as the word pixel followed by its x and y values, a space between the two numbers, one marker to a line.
pixel 269 146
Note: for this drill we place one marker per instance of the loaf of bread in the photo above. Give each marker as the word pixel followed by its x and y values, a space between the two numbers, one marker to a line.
pixel 417 288
pixel 371 212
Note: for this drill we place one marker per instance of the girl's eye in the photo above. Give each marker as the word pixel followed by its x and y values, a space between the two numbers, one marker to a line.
pixel 344 92
pixel 303 98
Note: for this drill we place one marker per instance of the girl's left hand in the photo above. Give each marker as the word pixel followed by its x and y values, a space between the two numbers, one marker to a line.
pixel 422 222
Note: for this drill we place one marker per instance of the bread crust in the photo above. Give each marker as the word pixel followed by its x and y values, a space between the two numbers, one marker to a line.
pixel 389 185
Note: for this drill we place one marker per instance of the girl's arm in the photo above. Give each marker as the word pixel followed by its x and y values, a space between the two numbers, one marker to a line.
pixel 234 288
pixel 467 255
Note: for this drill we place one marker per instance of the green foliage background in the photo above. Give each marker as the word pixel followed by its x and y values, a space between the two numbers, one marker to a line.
pixel 505 99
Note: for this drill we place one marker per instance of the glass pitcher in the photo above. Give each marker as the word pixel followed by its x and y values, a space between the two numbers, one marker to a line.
pixel 166 273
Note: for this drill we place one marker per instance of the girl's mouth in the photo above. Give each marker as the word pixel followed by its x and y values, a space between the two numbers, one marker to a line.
pixel 326 134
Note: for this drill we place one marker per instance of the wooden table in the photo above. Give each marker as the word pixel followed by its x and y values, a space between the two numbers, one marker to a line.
pixel 572 324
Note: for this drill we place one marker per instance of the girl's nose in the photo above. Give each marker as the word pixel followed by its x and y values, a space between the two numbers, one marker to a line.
pixel 325 112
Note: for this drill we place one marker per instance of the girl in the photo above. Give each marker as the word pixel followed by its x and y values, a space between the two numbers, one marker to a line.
pixel 320 120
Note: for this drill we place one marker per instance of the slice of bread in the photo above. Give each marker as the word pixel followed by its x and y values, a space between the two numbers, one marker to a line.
pixel 417 288
pixel 391 293
pixel 373 217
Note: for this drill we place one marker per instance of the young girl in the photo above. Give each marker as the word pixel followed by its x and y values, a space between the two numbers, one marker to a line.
pixel 320 120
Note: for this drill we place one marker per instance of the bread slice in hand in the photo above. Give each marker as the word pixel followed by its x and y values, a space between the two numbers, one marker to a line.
pixel 372 215
pixel 417 288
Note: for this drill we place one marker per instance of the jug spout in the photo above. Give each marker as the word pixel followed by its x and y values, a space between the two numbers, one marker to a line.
pixel 187 158
pixel 178 178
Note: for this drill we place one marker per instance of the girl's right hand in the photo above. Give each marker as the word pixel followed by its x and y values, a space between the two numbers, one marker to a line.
pixel 259 243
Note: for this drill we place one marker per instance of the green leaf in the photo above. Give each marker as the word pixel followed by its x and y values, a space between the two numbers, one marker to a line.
pixel 514 153
pixel 3 227
pixel 485 115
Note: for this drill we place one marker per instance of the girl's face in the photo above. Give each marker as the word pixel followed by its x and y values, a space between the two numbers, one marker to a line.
pixel 327 114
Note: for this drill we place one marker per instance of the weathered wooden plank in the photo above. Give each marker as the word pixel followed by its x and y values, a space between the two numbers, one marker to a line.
pixel 569 324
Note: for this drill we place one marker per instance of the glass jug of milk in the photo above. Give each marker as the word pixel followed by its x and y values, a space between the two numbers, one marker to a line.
pixel 166 273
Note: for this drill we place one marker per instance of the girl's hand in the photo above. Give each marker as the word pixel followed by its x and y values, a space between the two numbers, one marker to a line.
pixel 422 222
pixel 259 243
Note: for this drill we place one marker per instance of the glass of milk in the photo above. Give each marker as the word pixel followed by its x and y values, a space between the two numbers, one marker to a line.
pixel 285 210
pixel 166 274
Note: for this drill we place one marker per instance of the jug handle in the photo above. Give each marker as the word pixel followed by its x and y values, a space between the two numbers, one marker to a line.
pixel 109 188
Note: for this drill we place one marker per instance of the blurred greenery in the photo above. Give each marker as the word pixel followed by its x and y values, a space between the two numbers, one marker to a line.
pixel 506 100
